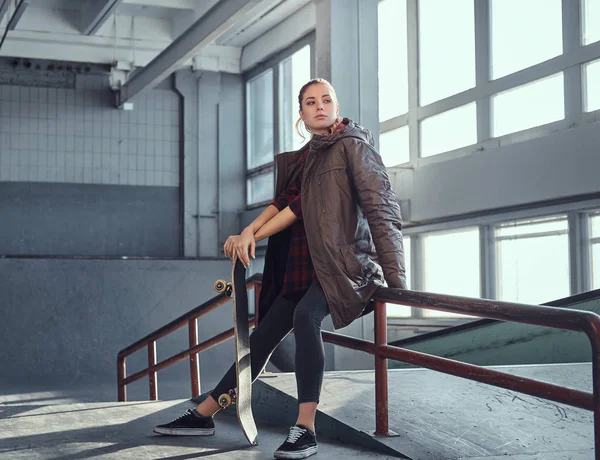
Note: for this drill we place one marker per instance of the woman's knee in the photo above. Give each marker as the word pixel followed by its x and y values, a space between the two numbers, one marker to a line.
pixel 305 318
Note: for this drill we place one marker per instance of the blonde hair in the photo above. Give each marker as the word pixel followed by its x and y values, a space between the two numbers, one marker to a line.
pixel 300 123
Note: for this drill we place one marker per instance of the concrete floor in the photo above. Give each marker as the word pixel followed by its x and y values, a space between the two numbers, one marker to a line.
pixel 442 417
pixel 39 426
pixel 438 417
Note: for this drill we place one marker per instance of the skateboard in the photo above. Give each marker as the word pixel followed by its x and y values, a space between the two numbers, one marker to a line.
pixel 242 398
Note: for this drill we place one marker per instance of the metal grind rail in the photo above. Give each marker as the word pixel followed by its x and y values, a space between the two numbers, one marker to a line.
pixel 558 318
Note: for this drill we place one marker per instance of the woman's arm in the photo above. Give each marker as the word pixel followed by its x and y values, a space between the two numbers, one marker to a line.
pixel 238 246
pixel 381 208
pixel 280 222
pixel 265 216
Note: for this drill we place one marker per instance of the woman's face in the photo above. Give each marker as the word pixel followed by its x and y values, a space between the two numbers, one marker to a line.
pixel 319 109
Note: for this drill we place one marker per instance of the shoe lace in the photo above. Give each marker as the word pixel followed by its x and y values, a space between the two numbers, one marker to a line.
pixel 184 415
pixel 295 434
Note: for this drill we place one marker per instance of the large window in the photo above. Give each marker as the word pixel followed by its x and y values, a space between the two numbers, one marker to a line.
pixel 294 72
pixel 268 132
pixel 595 243
pixel 591 21
pixel 524 33
pixel 533 260
pixel 394 146
pixel 449 130
pixel 446 48
pixel 451 265
pixel 426 81
pixel 393 63
pixel 260 187
pixel 260 119
pixel 591 84
pixel 393 81
pixel 528 106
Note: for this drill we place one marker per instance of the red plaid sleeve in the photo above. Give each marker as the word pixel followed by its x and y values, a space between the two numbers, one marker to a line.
pixel 287 196
pixel 296 207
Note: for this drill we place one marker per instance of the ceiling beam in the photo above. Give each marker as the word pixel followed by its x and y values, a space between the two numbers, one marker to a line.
pixel 173 4
pixel 203 32
pixel 96 13
pixel 18 14
pixel 3 8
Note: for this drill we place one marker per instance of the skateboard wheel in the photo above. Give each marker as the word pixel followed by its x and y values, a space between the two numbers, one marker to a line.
pixel 220 286
pixel 224 400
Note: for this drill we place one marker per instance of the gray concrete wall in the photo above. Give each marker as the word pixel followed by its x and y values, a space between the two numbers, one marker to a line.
pixel 61 126
pixel 41 218
pixel 79 177
pixel 65 320
pixel 555 166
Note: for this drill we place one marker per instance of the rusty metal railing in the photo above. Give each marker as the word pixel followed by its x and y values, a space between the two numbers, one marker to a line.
pixel 558 318
pixel 188 319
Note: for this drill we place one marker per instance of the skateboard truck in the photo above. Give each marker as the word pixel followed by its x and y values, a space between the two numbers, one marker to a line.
pixel 221 286
pixel 227 399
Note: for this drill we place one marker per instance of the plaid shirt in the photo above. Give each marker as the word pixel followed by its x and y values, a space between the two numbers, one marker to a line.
pixel 299 271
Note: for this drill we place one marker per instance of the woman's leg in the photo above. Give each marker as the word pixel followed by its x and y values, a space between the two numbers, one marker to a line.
pixel 310 354
pixel 274 327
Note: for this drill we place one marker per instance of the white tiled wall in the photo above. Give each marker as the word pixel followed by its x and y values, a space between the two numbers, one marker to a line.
pixel 77 136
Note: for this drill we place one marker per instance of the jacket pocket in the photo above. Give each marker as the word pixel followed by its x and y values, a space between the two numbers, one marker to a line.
pixel 352 265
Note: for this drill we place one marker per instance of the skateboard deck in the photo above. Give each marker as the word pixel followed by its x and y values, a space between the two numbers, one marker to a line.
pixel 243 396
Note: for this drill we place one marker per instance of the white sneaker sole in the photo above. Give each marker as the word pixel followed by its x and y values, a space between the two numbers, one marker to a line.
pixel 185 431
pixel 298 454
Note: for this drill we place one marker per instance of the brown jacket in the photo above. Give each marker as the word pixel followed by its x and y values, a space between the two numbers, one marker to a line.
pixel 352 221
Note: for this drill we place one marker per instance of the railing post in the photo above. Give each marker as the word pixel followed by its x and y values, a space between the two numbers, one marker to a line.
pixel 594 336
pixel 596 386
pixel 152 376
pixel 122 390
pixel 194 369
pixel 381 376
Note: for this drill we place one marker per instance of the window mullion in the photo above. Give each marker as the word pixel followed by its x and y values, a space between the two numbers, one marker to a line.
pixel 482 67
pixel 571 21
pixel 277 147
pixel 580 252
pixel 413 78
pixel 487 254
pixel 417 266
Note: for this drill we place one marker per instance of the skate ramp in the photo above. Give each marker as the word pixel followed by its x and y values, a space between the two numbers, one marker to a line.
pixel 442 417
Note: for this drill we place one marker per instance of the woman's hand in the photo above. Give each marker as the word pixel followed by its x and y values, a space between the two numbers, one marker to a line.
pixel 238 246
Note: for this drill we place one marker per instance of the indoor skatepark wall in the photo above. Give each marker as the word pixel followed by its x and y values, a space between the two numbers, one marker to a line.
pixel 65 320
pixel 88 183
pixel 42 218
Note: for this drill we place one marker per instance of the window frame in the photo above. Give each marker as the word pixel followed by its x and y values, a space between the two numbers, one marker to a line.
pixel 575 55
pixel 592 241
pixel 578 214
pixel 271 63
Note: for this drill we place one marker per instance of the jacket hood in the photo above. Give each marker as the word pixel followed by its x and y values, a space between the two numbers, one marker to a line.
pixel 320 142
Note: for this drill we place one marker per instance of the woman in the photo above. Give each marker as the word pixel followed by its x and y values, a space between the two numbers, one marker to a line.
pixel 335 236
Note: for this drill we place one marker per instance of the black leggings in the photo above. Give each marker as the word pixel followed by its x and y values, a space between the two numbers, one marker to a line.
pixel 305 316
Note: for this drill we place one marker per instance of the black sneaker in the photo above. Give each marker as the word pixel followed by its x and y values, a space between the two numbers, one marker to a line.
pixel 189 424
pixel 300 443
